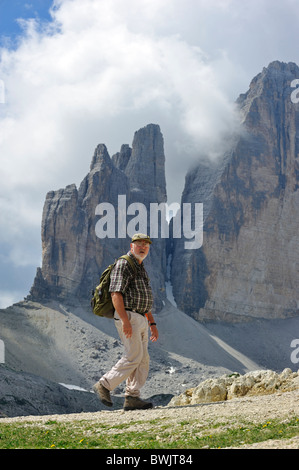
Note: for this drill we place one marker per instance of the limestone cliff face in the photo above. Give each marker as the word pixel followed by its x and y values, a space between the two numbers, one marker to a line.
pixel 248 265
pixel 146 167
pixel 73 256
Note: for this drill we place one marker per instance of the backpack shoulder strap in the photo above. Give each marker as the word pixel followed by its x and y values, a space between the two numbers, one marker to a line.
pixel 130 261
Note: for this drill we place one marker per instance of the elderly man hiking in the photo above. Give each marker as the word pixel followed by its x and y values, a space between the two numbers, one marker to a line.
pixel 132 299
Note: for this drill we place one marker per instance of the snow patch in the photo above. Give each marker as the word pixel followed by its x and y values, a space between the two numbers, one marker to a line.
pixel 73 387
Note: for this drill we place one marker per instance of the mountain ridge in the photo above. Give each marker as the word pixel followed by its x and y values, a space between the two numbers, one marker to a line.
pixel 236 296
pixel 248 263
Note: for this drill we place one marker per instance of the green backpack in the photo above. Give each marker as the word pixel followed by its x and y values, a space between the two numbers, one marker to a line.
pixel 101 301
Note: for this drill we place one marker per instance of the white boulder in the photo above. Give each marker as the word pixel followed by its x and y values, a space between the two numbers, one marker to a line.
pixel 226 387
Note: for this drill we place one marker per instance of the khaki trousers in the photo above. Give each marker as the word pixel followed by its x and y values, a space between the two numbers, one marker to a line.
pixel 134 364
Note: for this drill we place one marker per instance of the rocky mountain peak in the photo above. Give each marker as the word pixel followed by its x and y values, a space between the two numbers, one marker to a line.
pixel 146 166
pixel 74 255
pixel 247 265
pixel 100 158
pixel 120 159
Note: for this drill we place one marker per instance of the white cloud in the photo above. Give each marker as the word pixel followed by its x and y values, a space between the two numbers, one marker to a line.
pixel 94 68
pixel 8 297
pixel 91 71
pixel 105 68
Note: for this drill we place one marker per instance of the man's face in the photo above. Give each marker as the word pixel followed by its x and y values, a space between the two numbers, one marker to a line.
pixel 140 249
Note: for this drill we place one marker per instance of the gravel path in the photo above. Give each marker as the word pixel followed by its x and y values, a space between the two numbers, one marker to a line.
pixel 256 409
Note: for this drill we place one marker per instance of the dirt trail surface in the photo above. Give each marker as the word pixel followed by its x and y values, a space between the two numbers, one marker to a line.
pixel 254 409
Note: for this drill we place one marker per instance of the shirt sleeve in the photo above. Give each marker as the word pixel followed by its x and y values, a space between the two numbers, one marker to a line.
pixel 120 277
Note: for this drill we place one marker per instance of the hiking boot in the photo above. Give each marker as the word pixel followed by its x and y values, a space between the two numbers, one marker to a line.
pixel 135 403
pixel 103 394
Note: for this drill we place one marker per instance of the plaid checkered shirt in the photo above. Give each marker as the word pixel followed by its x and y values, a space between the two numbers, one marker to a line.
pixel 135 288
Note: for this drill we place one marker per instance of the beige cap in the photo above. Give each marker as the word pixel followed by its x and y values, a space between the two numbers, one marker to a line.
pixel 141 236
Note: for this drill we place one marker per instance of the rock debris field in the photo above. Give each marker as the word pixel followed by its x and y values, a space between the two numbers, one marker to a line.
pixel 208 374
pixel 260 404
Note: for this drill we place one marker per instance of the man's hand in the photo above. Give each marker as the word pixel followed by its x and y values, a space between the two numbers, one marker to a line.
pixel 154 330
pixel 118 303
pixel 127 328
pixel 154 333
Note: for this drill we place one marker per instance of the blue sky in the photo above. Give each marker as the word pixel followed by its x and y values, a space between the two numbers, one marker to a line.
pixel 95 71
pixel 12 10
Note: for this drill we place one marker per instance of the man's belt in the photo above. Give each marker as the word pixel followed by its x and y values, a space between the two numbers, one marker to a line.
pixel 136 311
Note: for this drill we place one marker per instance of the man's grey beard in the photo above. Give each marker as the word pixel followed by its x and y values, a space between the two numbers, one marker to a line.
pixel 139 257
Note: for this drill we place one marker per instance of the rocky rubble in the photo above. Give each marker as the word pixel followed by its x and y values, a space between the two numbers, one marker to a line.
pixel 226 387
pixel 23 394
